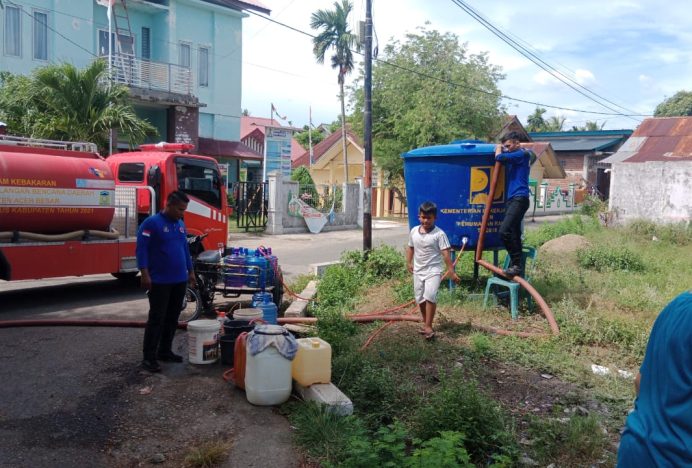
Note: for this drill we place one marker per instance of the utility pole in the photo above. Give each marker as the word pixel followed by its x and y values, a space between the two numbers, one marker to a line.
pixel 367 132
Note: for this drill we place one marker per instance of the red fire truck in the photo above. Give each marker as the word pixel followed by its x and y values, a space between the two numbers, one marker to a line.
pixel 66 211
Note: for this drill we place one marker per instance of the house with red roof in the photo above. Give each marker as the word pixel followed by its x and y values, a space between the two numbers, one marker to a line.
pixel 252 134
pixel 651 174
pixel 327 164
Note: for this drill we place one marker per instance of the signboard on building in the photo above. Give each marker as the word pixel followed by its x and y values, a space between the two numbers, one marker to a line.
pixel 277 151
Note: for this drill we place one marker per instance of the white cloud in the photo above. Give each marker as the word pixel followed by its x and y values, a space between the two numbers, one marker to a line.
pixel 584 76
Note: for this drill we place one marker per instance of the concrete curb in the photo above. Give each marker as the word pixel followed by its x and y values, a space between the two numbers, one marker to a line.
pixel 299 306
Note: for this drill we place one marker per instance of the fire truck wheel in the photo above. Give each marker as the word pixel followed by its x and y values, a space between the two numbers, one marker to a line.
pixel 192 306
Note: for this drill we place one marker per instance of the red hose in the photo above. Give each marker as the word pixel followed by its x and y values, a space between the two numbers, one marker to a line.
pixel 545 309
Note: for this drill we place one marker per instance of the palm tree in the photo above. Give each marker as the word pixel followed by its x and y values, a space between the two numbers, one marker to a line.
pixel 335 34
pixel 78 105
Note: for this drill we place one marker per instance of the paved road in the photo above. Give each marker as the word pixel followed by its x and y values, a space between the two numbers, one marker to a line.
pixel 297 251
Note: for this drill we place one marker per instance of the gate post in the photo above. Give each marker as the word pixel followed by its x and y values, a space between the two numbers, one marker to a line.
pixel 275 212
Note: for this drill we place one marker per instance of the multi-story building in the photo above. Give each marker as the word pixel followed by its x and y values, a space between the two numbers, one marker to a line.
pixel 181 59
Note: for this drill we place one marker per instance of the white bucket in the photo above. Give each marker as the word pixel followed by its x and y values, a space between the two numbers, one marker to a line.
pixel 203 341
pixel 248 314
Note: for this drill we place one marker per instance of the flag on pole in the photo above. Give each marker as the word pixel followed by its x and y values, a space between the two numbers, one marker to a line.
pixel 274 111
pixel 109 5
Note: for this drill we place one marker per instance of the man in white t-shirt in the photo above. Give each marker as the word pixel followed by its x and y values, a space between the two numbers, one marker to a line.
pixel 427 247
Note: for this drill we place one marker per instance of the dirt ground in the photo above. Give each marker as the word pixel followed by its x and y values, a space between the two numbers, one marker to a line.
pixel 95 407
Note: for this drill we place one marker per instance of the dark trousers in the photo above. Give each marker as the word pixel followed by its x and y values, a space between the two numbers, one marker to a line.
pixel 165 304
pixel 510 230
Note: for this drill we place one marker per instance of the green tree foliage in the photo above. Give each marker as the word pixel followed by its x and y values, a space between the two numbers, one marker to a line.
pixel 61 102
pixel 304 138
pixel 335 33
pixel 302 176
pixel 590 126
pixel 535 122
pixel 677 105
pixel 454 96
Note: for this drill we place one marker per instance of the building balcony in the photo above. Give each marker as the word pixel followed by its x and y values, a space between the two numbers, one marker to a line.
pixel 165 83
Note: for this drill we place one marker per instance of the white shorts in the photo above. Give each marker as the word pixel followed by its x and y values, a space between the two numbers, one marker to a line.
pixel 425 288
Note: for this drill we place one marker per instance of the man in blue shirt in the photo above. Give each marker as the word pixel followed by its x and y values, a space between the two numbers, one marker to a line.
pixel 163 257
pixel 517 166
pixel 658 432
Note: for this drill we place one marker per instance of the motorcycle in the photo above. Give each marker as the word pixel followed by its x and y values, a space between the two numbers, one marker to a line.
pixel 210 275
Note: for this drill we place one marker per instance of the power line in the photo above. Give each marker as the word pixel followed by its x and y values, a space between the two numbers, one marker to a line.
pixel 57 32
pixel 448 82
pixel 537 60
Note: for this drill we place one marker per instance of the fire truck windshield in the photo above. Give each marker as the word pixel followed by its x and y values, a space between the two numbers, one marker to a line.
pixel 201 179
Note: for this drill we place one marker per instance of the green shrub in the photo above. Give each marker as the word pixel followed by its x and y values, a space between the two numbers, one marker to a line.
pixel 592 205
pixel 339 287
pixel 390 445
pixel 458 405
pixel 381 263
pixel 336 330
pixel 321 432
pixel 373 389
pixel 610 258
pixel 481 343
pixel 676 234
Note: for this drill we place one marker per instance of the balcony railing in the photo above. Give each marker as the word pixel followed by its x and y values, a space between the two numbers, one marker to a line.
pixel 145 74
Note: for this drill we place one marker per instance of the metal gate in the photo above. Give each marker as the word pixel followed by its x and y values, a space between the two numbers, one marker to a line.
pixel 251 202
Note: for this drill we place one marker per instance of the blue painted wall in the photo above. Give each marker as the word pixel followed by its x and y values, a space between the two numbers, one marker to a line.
pixel 73 32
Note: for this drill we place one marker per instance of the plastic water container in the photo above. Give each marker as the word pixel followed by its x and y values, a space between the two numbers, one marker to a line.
pixel 258 298
pixel 234 272
pixel 457 178
pixel 247 314
pixel 266 304
pixel 268 373
pixel 313 362
pixel 203 341
pixel 255 271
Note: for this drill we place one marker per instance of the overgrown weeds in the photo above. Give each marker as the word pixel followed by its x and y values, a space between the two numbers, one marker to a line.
pixel 207 455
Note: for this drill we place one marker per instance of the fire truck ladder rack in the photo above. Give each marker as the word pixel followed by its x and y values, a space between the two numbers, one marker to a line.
pixel 49 144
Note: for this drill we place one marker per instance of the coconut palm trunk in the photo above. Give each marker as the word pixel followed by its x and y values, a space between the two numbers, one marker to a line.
pixel 343 131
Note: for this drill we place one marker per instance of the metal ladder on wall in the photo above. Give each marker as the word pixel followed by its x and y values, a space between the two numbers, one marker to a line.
pixel 124 59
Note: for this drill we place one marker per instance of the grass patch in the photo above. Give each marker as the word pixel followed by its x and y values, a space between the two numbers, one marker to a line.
pixel 207 455
pixel 417 403
pixel 572 441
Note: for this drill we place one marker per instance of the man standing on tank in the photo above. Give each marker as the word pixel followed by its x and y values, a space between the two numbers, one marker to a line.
pixel 163 257
pixel 517 166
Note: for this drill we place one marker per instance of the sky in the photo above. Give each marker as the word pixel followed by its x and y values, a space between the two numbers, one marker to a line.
pixel 633 53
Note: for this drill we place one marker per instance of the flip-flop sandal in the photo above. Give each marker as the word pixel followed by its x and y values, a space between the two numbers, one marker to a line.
pixel 422 332
pixel 429 336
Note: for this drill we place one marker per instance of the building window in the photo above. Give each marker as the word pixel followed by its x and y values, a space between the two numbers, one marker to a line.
pixel 13 31
pixel 40 36
pixel 146 43
pixel 184 55
pixel 103 42
pixel 203 66
pixel 125 46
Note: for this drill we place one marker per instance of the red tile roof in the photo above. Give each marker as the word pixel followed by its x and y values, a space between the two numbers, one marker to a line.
pixel 227 149
pixel 322 147
pixel 254 126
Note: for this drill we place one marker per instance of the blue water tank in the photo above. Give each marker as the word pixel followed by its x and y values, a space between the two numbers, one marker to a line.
pixel 456 177
pixel 255 271
pixel 234 272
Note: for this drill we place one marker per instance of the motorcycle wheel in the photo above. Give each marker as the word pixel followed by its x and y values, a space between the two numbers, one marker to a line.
pixel 192 306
